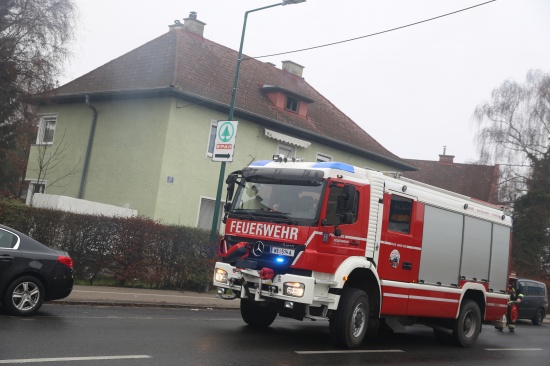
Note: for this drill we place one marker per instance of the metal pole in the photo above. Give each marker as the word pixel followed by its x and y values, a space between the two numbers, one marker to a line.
pixel 230 118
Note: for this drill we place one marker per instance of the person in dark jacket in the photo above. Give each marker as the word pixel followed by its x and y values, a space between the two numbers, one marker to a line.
pixel 516 295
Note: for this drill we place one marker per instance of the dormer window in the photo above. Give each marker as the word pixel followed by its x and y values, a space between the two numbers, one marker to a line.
pixel 292 104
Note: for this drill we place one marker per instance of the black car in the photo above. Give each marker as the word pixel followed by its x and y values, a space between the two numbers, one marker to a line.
pixel 31 273
pixel 534 304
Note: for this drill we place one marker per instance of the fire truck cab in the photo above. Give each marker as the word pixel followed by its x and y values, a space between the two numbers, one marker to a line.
pixel 362 249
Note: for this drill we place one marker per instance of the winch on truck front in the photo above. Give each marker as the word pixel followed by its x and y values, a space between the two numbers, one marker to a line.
pixel 360 249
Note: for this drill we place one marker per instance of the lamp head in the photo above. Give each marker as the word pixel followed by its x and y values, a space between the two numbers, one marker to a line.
pixel 290 2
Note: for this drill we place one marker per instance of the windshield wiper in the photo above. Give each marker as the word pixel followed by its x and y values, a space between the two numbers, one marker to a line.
pixel 279 213
pixel 241 211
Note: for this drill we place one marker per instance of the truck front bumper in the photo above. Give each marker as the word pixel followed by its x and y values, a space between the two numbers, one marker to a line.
pixel 284 287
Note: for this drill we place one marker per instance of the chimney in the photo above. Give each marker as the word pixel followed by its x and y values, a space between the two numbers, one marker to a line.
pixel 446 159
pixel 293 68
pixel 191 24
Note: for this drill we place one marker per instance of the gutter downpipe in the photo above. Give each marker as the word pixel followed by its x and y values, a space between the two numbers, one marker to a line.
pixel 88 148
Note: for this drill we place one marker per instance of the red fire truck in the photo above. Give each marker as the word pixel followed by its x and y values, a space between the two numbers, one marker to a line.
pixel 362 249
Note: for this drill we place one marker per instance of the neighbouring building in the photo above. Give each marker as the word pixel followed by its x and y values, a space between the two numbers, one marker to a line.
pixel 138 132
pixel 472 180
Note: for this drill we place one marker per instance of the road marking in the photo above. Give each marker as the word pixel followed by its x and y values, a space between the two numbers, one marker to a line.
pixel 514 349
pixel 64 359
pixel 350 351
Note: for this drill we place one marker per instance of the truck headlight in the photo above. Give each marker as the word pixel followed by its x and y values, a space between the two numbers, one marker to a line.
pixel 220 275
pixel 295 289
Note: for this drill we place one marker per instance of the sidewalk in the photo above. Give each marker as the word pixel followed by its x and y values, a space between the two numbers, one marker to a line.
pixel 120 296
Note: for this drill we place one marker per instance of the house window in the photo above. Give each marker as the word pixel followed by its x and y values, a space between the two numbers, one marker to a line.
pixel 206 214
pixel 287 150
pixel 46 129
pixel 292 104
pixel 34 187
pixel 212 138
pixel 400 214
pixel 323 158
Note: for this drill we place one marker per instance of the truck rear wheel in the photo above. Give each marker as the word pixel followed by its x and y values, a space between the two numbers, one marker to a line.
pixel 257 314
pixel 348 324
pixel 466 328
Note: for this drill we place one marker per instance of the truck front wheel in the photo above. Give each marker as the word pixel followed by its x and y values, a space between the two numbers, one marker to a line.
pixel 348 324
pixel 466 328
pixel 257 314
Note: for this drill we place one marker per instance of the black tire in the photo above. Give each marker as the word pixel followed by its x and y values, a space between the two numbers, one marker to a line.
pixel 256 314
pixel 539 317
pixel 348 324
pixel 24 296
pixel 468 325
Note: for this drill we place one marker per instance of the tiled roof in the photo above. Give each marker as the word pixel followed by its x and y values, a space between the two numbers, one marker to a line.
pixel 187 63
pixel 476 181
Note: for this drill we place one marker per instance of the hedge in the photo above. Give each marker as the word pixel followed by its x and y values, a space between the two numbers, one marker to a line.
pixel 133 251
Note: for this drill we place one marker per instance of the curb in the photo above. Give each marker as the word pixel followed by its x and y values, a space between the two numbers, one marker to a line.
pixel 142 305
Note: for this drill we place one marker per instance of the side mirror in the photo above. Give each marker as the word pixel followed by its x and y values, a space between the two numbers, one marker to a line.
pixel 230 181
pixel 345 203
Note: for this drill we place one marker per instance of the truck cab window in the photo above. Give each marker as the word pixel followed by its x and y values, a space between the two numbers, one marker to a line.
pixel 400 214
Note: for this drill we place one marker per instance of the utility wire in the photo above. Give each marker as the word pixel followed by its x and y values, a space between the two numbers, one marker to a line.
pixel 374 34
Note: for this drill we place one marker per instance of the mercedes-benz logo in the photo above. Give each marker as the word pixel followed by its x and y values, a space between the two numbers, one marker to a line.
pixel 258 248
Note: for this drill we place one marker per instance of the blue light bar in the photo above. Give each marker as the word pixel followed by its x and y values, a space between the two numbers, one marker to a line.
pixel 279 260
pixel 335 165
pixel 260 162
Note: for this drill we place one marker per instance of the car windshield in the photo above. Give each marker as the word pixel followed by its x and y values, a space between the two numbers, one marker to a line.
pixel 296 203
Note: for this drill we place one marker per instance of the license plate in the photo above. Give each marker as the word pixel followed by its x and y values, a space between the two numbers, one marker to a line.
pixel 283 251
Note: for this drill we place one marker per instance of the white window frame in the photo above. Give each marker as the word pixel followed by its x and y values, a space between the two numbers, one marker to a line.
pixel 220 213
pixel 32 184
pixel 287 148
pixel 211 138
pixel 42 128
pixel 323 157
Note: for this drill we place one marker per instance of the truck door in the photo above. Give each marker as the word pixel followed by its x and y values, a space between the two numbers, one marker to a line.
pixel 400 239
pixel 352 241
pixel 400 243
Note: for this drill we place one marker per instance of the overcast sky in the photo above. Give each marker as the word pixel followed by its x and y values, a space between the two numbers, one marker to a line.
pixel 414 89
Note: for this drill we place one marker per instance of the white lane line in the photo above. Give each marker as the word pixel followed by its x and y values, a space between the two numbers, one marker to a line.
pixel 514 349
pixel 349 351
pixel 65 359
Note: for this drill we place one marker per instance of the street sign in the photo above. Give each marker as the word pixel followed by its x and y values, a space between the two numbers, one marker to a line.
pixel 224 146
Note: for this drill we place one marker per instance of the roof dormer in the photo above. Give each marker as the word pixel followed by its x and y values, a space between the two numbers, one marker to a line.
pixel 286 99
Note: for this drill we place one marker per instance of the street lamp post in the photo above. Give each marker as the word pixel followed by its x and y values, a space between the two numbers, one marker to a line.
pixel 232 109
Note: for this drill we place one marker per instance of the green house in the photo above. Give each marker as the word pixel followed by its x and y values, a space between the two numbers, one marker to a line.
pixel 138 132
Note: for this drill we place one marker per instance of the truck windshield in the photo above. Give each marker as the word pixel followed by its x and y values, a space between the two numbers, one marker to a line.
pixel 296 203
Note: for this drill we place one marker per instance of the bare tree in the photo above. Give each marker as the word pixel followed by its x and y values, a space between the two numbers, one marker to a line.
pixel 513 130
pixel 34 43
pixel 48 163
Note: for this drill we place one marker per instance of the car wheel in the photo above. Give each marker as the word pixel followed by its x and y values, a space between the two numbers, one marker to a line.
pixel 467 327
pixel 24 296
pixel 257 315
pixel 539 317
pixel 348 325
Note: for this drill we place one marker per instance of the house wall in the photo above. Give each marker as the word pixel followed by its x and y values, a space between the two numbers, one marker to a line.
pixel 126 157
pixel 151 155
pixel 193 173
